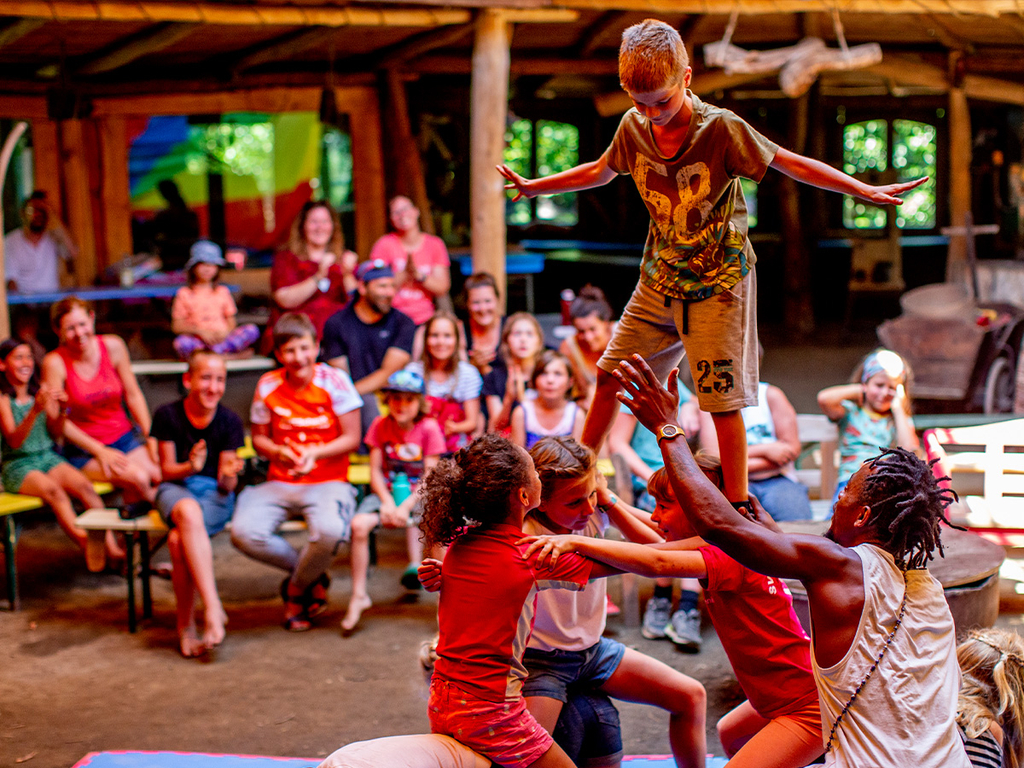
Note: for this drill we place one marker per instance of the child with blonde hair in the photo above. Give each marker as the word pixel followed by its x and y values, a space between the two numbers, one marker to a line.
pixel 697 289
pixel 872 412
pixel 990 712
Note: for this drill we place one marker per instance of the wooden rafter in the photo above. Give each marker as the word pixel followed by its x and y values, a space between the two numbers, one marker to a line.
pixel 590 37
pixel 283 47
pixel 18 29
pixel 148 41
pixel 418 45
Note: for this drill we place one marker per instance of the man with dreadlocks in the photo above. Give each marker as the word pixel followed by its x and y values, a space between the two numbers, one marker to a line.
pixel 883 647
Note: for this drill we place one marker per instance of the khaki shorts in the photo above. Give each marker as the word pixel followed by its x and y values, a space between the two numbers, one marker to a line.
pixel 718 335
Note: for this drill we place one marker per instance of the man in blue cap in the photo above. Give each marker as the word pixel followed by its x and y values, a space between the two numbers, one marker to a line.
pixel 368 338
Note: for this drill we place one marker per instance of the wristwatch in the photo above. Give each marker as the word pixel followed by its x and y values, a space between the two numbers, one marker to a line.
pixel 670 432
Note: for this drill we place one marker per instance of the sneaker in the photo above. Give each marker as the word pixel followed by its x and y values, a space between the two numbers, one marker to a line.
pixel 684 630
pixel 657 615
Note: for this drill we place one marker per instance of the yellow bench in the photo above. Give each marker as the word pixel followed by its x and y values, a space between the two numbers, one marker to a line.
pixel 10 505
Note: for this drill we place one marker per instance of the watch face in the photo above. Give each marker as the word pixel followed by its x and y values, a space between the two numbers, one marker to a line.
pixel 669 431
pixel 324 284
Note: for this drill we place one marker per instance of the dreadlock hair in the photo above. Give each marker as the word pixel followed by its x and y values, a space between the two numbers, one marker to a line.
pixel 560 458
pixel 472 489
pixel 992 688
pixel 907 502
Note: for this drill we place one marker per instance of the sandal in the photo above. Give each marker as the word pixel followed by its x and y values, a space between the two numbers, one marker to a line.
pixel 296 618
pixel 315 596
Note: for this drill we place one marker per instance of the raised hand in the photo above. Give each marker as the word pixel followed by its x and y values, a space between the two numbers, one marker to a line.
pixel 652 404
pixel 548 548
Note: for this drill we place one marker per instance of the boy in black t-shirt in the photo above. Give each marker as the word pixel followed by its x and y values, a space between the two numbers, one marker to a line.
pixel 198 442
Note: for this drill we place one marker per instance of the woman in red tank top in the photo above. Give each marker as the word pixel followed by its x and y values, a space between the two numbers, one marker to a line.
pixel 95 374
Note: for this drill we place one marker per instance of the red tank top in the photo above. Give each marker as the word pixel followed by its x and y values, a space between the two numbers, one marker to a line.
pixel 96 405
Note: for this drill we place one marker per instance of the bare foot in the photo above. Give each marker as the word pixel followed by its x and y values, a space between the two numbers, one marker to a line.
pixel 356 606
pixel 213 630
pixel 191 646
pixel 114 550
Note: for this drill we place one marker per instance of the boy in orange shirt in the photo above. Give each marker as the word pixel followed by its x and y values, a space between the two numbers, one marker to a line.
pixel 305 421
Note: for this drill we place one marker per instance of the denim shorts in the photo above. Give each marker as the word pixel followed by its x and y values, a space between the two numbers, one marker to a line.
pixel 588 730
pixel 552 672
pixel 126 443
pixel 217 507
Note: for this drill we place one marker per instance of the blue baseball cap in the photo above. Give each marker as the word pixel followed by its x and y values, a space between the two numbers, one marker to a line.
pixel 374 269
pixel 404 381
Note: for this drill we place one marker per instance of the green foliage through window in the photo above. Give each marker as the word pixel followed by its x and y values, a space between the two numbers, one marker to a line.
pixel 541 148
pixel 909 152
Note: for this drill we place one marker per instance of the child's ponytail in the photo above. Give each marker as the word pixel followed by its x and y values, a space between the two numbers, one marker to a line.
pixel 472 489
pixel 992 688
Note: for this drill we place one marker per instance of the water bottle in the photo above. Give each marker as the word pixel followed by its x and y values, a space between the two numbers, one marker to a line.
pixel 400 488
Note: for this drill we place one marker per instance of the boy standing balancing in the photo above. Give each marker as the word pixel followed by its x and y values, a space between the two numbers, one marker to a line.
pixel 305 421
pixel 198 439
pixel 697 291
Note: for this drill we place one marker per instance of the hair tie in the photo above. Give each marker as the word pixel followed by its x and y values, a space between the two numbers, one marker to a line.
pixel 883 361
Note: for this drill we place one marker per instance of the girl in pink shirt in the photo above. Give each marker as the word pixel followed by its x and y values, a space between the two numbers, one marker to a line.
pixel 203 313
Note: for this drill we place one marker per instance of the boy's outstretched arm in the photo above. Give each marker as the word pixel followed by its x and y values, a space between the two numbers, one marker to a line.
pixel 596 173
pixel 824 176
pixel 652 561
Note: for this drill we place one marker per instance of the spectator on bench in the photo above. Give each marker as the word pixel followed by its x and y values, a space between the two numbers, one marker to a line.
pixel 305 421
pixel 198 442
pixel 369 339
pixel 96 374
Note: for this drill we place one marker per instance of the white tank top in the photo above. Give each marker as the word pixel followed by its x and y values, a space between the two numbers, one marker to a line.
pixel 905 714
pixel 534 430
pixel 757 420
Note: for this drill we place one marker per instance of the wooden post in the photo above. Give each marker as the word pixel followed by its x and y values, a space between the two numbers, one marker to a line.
pixel 46 160
pixel 79 200
pixel 117 212
pixel 5 159
pixel 489 107
pixel 797 310
pixel 367 165
pixel 408 165
pixel 959 179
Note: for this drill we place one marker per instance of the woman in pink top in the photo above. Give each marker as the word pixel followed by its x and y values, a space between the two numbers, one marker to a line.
pixel 420 262
pixel 95 372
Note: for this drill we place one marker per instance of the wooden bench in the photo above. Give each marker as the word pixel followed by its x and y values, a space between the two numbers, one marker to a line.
pixel 172 367
pixel 10 505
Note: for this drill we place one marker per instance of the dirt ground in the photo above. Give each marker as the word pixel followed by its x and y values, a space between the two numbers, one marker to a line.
pixel 73 680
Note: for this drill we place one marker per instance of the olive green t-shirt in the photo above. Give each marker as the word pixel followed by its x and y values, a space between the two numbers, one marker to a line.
pixel 697 243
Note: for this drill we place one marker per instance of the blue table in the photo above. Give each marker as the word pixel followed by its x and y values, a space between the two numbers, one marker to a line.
pixel 111 293
pixel 523 263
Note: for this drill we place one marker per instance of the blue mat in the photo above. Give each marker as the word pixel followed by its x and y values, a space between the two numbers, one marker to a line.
pixel 139 759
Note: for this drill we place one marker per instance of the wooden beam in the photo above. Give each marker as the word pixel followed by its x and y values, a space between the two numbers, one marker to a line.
pixel 367 164
pixel 993 89
pixel 283 15
pixel 590 38
pixel 408 164
pixel 17 29
pixel 617 102
pixel 79 199
pixel 149 41
pixel 959 179
pixel 252 100
pixel 116 197
pixel 908 72
pixel 23 107
pixel 488 108
pixel 520 66
pixel 418 45
pixel 945 33
pixel 284 47
pixel 46 162
pixel 5 158
pixel 750 7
